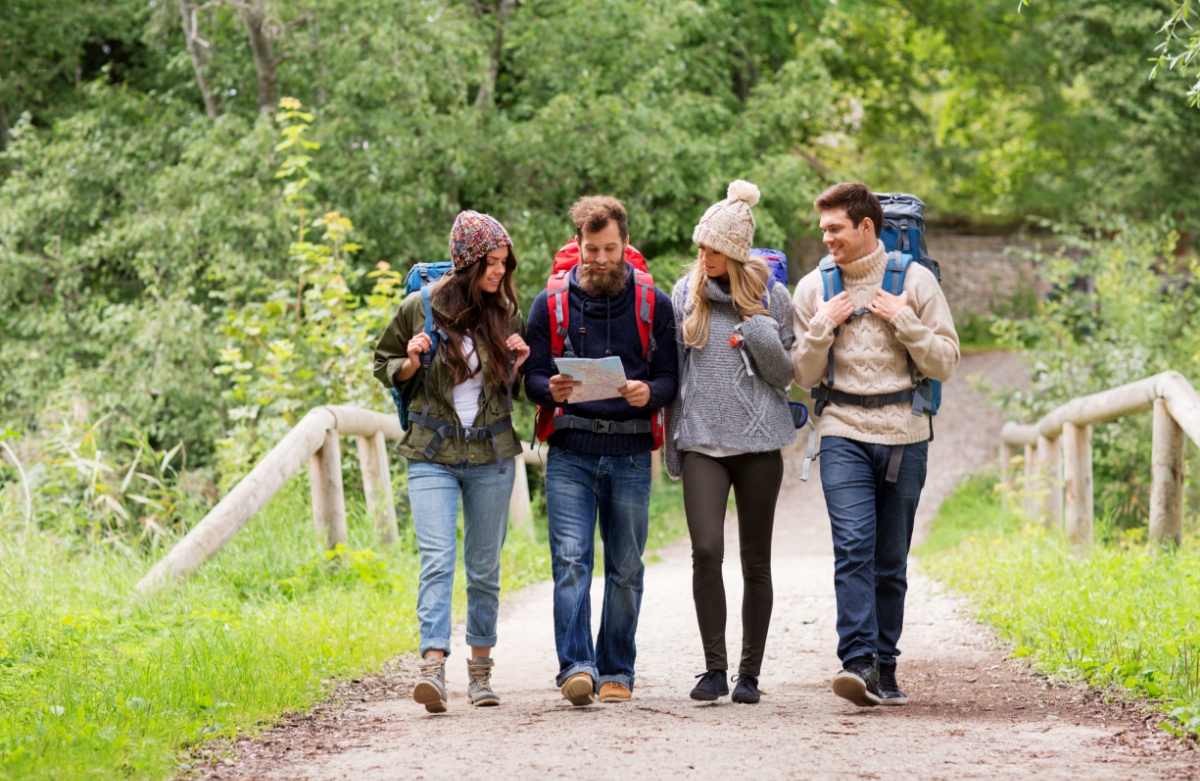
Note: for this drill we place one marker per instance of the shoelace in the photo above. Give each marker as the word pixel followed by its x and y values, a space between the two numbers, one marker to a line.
pixel 432 668
pixel 738 678
pixel 480 673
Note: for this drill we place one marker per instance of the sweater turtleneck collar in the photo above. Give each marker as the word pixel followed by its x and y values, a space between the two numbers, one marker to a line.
pixel 719 292
pixel 867 265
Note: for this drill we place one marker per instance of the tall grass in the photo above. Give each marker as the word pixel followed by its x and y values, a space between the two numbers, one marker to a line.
pixel 1123 615
pixel 98 683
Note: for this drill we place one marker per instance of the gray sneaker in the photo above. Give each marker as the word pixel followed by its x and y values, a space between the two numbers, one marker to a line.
pixel 479 688
pixel 430 690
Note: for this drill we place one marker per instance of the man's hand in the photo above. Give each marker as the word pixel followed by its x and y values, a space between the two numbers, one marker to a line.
pixel 887 306
pixel 838 309
pixel 636 393
pixel 518 346
pixel 561 386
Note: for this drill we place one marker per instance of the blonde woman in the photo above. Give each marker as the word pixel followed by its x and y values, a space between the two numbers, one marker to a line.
pixel 727 426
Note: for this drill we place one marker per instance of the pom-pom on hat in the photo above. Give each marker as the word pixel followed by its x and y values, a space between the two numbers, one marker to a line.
pixel 473 236
pixel 728 225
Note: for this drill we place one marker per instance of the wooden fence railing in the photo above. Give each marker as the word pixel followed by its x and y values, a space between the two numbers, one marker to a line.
pixel 315 441
pixel 1058 454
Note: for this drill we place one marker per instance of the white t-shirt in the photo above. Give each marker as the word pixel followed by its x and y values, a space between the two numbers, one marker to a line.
pixel 466 394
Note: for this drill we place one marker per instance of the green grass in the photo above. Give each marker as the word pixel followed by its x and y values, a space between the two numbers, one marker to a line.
pixel 98 683
pixel 1123 616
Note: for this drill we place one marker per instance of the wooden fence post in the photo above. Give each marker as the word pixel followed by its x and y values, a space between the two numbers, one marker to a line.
pixel 1049 458
pixel 520 507
pixel 328 500
pixel 377 485
pixel 1079 512
pixel 1007 454
pixel 1167 463
pixel 1030 497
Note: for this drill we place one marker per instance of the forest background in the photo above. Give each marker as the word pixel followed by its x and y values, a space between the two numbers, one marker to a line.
pixel 165 266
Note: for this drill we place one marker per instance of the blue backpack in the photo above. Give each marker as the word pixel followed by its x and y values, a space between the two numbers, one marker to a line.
pixel 420 278
pixel 903 236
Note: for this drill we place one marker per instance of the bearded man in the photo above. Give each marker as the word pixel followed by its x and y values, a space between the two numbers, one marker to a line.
pixel 599 465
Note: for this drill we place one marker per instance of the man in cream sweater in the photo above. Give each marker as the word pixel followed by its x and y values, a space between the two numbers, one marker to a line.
pixel 873 447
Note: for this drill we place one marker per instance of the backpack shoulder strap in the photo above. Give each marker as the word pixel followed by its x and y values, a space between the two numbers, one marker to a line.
pixel 831 277
pixel 897 269
pixel 559 308
pixel 645 310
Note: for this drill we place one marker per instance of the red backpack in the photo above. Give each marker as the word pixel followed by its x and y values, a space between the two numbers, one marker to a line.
pixel 557 291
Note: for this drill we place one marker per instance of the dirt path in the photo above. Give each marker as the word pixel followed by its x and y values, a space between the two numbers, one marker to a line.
pixel 972 713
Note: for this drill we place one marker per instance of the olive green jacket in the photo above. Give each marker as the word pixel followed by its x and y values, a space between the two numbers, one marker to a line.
pixel 390 354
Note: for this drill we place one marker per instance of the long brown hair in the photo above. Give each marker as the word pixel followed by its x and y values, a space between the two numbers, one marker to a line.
pixel 747 283
pixel 466 307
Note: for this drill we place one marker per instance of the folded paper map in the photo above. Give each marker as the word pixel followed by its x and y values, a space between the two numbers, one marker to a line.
pixel 601 377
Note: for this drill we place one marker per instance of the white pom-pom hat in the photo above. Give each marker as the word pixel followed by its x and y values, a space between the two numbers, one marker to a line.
pixel 728 225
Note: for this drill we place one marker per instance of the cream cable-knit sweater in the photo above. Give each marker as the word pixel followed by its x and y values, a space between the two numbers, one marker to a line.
pixel 869 352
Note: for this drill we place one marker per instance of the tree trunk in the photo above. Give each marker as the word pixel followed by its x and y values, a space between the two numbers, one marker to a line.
pixel 191 37
pixel 3 127
pixel 254 15
pixel 487 90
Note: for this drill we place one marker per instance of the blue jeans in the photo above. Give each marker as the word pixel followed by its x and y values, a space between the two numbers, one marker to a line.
pixel 617 488
pixel 433 491
pixel 872 522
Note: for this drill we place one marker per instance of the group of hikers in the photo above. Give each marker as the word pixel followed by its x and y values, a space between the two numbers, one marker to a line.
pixel 708 376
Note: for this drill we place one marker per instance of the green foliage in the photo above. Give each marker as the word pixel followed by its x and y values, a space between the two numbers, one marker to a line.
pixel 1122 617
pixel 1125 305
pixel 94 685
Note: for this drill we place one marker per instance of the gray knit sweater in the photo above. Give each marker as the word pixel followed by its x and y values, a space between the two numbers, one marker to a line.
pixel 721 405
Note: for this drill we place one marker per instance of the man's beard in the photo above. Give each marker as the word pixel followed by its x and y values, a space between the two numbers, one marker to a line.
pixel 603 285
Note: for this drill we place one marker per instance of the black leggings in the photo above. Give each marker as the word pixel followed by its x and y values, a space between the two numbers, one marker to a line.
pixel 755 478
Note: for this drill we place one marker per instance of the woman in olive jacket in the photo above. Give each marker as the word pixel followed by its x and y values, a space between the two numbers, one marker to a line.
pixel 460 441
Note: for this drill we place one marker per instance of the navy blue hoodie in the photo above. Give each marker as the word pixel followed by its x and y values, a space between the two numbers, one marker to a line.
pixel 599 327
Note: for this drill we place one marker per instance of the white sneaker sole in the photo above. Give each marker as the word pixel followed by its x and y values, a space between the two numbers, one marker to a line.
pixel 850 687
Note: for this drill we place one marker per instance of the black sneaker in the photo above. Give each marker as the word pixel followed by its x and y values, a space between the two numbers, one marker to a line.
pixel 713 684
pixel 858 682
pixel 889 692
pixel 746 690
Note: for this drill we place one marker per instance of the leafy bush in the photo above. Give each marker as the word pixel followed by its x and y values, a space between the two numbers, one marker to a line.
pixel 1123 617
pixel 1125 305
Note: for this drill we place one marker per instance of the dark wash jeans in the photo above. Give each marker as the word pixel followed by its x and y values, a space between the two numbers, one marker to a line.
pixel 579 488
pixel 872 522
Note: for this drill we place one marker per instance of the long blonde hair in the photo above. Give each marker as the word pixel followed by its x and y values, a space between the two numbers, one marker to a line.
pixel 747 284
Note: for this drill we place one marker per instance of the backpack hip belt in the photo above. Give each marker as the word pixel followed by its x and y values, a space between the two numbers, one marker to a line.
pixel 595 426
pixel 826 396
pixel 441 429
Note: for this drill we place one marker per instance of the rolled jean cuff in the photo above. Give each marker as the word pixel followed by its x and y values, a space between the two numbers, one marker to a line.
pixel 481 641
pixel 624 680
pixel 575 669
pixel 435 644
pixel 857 650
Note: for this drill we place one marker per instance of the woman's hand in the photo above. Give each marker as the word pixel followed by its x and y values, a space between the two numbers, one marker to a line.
pixel 518 346
pixel 416 346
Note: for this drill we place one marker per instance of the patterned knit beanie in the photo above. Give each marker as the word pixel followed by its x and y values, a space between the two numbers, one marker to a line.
pixel 728 225
pixel 473 236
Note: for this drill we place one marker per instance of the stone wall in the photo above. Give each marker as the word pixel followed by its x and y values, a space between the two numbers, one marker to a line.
pixel 980 274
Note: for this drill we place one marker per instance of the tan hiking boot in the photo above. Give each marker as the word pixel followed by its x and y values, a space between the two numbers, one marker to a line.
pixel 479 687
pixel 611 691
pixel 430 690
pixel 579 689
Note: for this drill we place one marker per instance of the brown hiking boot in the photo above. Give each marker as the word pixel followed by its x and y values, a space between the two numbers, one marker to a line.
pixel 579 689
pixel 611 691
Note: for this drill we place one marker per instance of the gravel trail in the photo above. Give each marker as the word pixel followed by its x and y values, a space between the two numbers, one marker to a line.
pixel 972 713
